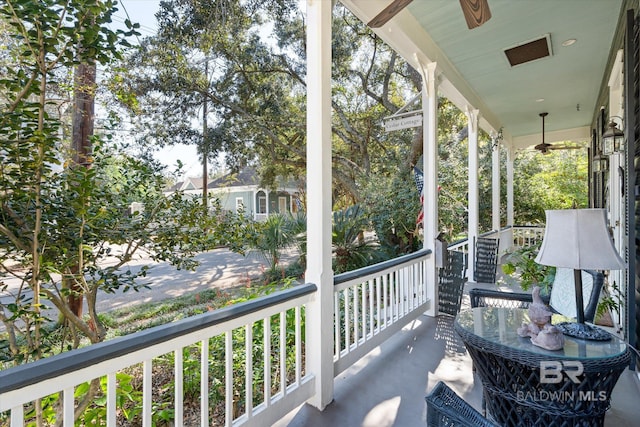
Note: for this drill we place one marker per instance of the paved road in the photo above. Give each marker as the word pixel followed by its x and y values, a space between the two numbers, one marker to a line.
pixel 219 268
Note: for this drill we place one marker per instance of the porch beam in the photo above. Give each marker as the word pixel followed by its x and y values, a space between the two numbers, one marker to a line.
pixel 473 116
pixel 319 320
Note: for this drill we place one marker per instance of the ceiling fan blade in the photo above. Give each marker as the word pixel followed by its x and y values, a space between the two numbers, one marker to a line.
pixel 388 12
pixel 564 147
pixel 476 12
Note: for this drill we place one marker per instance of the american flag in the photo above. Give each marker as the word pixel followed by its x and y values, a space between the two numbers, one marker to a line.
pixel 419 178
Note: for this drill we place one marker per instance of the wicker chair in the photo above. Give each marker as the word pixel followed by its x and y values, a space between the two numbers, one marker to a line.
pixel 446 408
pixel 451 279
pixel 561 300
pixel 486 261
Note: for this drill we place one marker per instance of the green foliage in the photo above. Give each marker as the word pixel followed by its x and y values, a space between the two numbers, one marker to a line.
pixel 522 267
pixel 352 249
pixel 554 181
pixel 395 228
pixel 272 237
pixel 126 398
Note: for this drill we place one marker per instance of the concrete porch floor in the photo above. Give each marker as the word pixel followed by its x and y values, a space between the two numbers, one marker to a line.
pixel 388 386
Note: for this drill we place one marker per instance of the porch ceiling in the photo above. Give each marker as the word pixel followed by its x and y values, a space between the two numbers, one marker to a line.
pixel 475 70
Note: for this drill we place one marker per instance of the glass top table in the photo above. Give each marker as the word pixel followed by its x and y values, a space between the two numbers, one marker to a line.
pixel 526 385
pixel 498 326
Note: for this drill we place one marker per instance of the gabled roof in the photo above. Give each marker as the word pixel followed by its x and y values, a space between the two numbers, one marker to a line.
pixel 188 184
pixel 247 176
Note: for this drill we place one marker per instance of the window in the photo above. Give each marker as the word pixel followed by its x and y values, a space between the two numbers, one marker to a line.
pixel 262 204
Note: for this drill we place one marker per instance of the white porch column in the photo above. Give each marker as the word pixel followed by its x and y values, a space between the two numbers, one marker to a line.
pixel 510 158
pixel 319 315
pixel 430 168
pixel 266 194
pixel 473 117
pixel 495 187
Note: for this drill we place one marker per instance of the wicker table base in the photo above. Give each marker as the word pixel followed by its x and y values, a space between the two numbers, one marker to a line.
pixel 528 386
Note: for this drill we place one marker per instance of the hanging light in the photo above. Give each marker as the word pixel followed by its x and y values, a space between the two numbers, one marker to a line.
pixel 612 139
pixel 600 163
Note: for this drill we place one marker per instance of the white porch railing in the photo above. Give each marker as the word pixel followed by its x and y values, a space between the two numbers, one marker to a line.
pixel 524 236
pixel 274 384
pixel 266 335
pixel 373 303
pixel 510 237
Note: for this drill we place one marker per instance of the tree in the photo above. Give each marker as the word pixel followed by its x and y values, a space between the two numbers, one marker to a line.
pixel 554 181
pixel 60 224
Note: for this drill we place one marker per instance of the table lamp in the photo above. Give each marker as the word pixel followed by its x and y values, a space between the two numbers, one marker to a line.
pixel 579 239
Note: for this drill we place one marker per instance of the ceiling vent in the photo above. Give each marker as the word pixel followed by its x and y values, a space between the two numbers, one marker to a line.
pixel 529 51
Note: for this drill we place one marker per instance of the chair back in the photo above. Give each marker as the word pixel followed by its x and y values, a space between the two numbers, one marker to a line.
pixel 451 279
pixel 446 408
pixel 486 260
pixel 563 292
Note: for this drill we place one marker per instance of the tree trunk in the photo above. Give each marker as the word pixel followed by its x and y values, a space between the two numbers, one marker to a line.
pixel 83 118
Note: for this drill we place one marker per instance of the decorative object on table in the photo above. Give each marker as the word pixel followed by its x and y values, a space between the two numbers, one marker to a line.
pixel 539 329
pixel 528 330
pixel 579 239
pixel 550 338
pixel 538 311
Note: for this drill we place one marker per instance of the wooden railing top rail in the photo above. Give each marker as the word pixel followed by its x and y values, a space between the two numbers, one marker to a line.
pixel 67 362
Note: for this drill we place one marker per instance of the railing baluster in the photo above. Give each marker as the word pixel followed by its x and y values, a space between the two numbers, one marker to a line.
pixel 402 283
pixel 372 313
pixel 337 323
pixel 248 370
pixel 112 384
pixel 283 353
pixel 385 298
pixel 378 304
pixel 347 316
pixel 178 369
pixel 17 416
pixel 228 378
pixel 363 317
pixel 393 296
pixel 299 344
pixel 68 404
pixel 267 360
pixel 204 382
pixel 147 383
pixel 356 317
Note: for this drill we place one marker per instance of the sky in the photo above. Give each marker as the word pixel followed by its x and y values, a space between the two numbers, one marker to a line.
pixel 143 12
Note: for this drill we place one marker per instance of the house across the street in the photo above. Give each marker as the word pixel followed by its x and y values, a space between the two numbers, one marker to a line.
pixel 241 191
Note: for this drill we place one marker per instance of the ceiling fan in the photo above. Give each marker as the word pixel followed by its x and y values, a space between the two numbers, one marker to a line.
pixel 546 148
pixel 476 12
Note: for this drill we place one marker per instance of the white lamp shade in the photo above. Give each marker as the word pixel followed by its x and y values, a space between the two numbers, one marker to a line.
pixel 578 239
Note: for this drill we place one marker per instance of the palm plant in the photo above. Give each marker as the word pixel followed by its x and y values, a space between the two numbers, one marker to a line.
pixel 272 238
pixel 351 249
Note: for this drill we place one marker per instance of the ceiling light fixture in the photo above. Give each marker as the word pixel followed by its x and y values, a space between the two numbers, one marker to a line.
pixel 568 42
